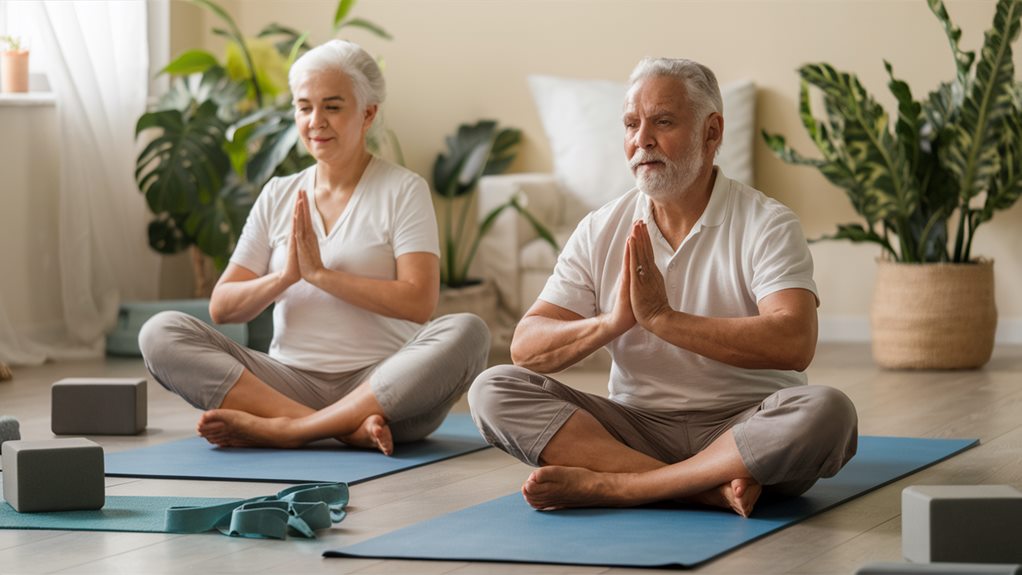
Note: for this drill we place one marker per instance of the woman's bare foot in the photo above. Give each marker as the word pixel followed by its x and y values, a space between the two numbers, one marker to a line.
pixel 232 428
pixel 739 495
pixel 555 487
pixel 374 433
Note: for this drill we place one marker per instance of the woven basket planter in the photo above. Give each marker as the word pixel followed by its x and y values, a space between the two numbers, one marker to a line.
pixel 933 316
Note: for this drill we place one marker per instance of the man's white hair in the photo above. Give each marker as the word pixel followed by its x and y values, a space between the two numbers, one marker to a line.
pixel 700 82
pixel 350 59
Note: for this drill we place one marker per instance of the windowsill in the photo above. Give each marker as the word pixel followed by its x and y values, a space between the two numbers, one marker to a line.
pixel 28 99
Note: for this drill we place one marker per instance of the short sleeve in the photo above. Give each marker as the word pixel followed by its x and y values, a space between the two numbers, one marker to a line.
pixel 415 227
pixel 571 286
pixel 781 259
pixel 253 250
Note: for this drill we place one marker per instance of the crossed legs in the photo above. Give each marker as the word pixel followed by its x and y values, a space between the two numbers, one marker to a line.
pixel 255 414
pixel 585 466
pixel 592 451
pixel 253 400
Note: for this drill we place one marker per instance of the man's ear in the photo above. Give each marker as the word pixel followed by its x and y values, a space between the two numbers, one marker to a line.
pixel 714 131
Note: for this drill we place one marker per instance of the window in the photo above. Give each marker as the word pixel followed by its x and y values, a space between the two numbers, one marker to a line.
pixel 17 19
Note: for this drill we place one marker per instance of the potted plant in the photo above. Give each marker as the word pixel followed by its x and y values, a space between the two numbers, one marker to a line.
pixel 222 130
pixel 14 62
pixel 923 186
pixel 474 151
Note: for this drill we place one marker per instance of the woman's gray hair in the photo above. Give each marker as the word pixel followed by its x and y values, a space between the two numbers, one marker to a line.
pixel 700 82
pixel 350 59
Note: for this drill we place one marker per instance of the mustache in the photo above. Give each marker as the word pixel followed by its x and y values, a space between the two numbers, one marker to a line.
pixel 643 156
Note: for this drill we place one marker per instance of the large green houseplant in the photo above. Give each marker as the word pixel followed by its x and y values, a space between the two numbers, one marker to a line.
pixel 925 184
pixel 223 129
pixel 473 151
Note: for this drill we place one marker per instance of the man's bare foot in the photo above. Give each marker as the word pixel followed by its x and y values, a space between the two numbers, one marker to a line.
pixel 555 487
pixel 374 433
pixel 232 428
pixel 739 495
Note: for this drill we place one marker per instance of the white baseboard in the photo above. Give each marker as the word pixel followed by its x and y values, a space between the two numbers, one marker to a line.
pixel 855 329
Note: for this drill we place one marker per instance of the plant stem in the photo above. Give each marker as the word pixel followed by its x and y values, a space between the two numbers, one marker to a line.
pixel 960 234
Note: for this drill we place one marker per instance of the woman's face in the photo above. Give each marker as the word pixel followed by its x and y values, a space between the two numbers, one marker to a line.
pixel 330 121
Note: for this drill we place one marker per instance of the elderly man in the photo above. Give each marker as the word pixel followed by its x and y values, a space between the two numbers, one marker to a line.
pixel 702 290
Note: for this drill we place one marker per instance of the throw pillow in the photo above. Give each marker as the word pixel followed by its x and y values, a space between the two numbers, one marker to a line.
pixel 582 121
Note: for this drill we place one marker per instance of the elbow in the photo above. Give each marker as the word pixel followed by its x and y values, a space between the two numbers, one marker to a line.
pixel 801 356
pixel 215 313
pixel 421 316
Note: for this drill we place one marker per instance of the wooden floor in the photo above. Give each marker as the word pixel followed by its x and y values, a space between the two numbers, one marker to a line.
pixel 986 404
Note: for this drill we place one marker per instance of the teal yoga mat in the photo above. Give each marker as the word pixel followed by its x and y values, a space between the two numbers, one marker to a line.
pixel 508 530
pixel 120 513
pixel 326 461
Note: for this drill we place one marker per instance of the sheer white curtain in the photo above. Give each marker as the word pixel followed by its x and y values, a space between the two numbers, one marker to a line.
pixel 96 59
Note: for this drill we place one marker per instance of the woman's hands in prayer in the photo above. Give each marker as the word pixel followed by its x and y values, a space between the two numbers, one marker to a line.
pixel 303 259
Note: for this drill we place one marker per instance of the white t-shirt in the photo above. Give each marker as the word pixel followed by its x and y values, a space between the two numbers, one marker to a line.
pixel 745 247
pixel 389 214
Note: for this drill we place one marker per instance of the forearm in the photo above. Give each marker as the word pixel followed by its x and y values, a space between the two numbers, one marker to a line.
pixel 776 341
pixel 547 345
pixel 391 298
pixel 242 301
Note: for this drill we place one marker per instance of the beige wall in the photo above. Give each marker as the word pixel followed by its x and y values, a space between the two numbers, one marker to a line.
pixel 453 61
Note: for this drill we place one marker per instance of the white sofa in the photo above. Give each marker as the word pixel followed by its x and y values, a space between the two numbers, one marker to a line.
pixel 582 120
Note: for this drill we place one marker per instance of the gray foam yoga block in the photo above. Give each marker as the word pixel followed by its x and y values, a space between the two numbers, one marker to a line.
pixel 962 523
pixel 94 406
pixel 9 429
pixel 939 569
pixel 53 475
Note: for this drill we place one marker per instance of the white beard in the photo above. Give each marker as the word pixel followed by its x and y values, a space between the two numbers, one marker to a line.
pixel 672 179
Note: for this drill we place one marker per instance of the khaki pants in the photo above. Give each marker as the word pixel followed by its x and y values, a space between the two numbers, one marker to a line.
pixel 788 441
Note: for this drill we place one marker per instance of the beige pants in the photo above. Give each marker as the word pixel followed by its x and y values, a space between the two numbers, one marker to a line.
pixel 788 441
pixel 416 386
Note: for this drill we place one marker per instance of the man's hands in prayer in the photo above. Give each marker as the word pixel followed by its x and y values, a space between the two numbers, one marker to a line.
pixel 621 318
pixel 647 292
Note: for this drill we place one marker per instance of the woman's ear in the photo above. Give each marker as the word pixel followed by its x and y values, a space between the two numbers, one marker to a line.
pixel 370 115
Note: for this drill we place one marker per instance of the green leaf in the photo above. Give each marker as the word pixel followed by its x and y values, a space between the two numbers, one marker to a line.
pixel 234 34
pixel 296 49
pixel 343 7
pixel 190 62
pixel 858 234
pixel 184 163
pixel 963 60
pixel 273 150
pixel 365 25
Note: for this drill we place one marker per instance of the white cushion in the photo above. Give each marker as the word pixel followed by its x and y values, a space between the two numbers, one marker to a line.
pixel 582 120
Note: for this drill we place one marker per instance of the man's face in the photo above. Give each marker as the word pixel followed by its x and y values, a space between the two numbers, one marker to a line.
pixel 663 142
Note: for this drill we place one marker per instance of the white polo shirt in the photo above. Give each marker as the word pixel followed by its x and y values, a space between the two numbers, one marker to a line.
pixel 745 247
pixel 390 214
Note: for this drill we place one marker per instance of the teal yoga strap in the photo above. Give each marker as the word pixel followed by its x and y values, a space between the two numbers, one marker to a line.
pixel 304 508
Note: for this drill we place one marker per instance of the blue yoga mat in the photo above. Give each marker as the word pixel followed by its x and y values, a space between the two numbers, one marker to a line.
pixel 507 529
pixel 119 513
pixel 326 461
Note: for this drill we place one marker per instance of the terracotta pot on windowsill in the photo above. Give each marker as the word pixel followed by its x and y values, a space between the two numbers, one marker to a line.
pixel 14 66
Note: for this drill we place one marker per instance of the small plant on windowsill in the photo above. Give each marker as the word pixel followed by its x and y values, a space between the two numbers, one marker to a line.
pixel 10 43
pixel 14 62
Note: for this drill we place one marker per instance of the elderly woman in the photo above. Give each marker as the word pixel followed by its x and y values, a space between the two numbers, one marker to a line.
pixel 347 250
